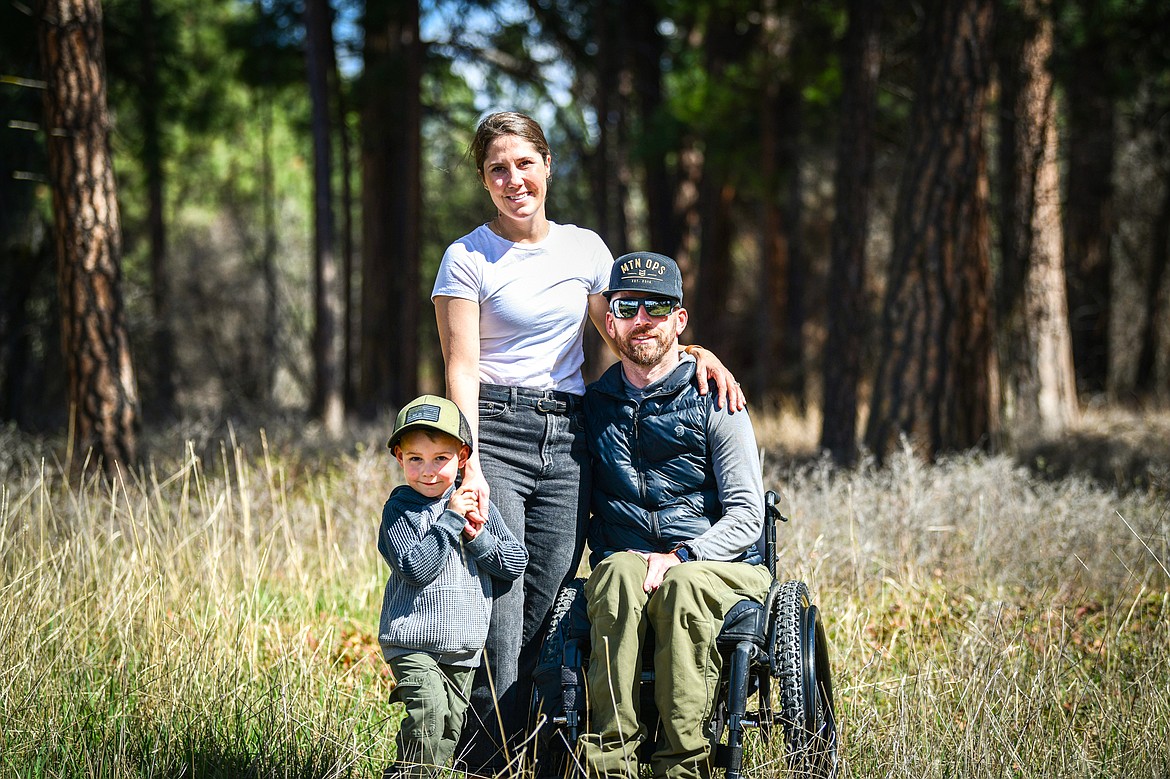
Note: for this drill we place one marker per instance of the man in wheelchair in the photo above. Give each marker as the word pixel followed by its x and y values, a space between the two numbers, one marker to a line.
pixel 678 509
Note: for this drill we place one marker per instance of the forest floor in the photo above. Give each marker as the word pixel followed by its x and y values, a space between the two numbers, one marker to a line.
pixel 215 613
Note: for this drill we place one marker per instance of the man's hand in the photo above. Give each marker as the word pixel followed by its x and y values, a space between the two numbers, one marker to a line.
pixel 657 566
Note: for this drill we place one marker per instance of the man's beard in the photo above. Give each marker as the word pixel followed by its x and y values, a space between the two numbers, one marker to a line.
pixel 646 353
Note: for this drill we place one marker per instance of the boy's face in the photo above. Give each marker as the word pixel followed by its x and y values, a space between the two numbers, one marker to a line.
pixel 431 461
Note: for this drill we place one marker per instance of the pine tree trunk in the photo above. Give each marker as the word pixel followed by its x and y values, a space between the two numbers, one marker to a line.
pixel 327 346
pixel 1146 381
pixel 936 378
pixel 1038 386
pixel 103 394
pixel 1089 221
pixel 391 206
pixel 152 159
pixel 646 65
pixel 722 46
pixel 848 312
pixel 349 391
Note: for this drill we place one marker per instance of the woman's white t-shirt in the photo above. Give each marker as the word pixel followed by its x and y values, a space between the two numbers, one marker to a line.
pixel 533 302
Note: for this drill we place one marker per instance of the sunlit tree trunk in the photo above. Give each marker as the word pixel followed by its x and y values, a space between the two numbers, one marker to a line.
pixel 103 395
pixel 327 344
pixel 848 313
pixel 936 378
pixel 391 205
pixel 1038 386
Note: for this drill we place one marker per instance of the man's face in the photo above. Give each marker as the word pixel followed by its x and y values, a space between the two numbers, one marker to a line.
pixel 644 339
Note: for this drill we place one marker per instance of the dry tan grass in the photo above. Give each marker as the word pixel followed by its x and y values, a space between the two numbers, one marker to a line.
pixel 215 615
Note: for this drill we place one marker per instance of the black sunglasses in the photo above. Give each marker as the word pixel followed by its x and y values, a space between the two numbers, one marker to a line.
pixel 627 308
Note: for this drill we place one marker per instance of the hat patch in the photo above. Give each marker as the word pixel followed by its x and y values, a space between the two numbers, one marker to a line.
pixel 424 412
pixel 642 268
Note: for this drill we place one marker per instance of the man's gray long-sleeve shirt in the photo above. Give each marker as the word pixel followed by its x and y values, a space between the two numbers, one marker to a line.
pixel 735 462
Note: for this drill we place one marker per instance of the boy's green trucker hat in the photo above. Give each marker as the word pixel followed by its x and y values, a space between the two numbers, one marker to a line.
pixel 434 413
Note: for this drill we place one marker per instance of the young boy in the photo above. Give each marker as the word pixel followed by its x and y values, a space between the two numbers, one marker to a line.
pixel 442 553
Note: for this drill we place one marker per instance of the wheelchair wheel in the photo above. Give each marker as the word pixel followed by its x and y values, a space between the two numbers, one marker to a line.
pixel 800 664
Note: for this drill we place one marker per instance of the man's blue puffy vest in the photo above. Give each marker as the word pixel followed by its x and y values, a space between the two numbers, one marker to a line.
pixel 653 487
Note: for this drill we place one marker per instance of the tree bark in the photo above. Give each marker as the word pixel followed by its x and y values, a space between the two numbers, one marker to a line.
pixel 936 377
pixel 1038 385
pixel 848 313
pixel 1089 220
pixel 327 346
pixel 103 394
pixel 391 205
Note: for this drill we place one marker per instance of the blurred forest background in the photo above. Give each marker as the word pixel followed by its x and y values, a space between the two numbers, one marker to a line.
pixel 947 220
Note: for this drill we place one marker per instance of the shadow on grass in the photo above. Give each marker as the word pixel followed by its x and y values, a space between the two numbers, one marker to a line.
pixel 1126 459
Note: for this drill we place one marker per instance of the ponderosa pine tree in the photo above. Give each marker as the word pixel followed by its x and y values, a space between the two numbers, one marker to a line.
pixel 103 394
pixel 935 375
pixel 848 313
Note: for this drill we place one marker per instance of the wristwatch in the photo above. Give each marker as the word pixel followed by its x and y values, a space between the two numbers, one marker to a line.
pixel 683 553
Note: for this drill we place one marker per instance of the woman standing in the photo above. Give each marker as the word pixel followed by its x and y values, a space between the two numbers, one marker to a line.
pixel 511 300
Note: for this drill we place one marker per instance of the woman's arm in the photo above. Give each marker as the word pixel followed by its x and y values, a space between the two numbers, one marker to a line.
pixel 707 367
pixel 598 305
pixel 458 321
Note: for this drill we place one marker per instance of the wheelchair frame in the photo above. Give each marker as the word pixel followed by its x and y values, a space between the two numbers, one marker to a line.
pixel 775 651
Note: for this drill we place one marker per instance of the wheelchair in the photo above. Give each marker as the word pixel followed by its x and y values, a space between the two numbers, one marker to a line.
pixel 775 656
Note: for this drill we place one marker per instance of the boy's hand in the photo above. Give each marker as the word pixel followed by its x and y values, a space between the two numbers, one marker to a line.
pixel 465 503
pixel 475 523
pixel 462 501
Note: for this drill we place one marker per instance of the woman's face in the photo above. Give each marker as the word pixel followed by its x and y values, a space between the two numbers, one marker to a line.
pixel 516 176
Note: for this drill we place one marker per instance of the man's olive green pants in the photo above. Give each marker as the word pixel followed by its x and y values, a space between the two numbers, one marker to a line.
pixel 684 617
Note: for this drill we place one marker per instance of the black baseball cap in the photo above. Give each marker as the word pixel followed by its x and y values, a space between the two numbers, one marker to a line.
pixel 648 272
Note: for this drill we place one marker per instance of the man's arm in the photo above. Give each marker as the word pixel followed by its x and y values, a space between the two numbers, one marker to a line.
pixel 735 461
